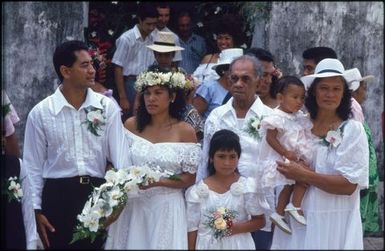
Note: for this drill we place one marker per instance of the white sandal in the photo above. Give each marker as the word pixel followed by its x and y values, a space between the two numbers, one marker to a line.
pixel 293 211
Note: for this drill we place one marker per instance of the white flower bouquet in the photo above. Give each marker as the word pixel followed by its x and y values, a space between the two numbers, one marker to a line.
pixel 13 189
pixel 220 221
pixel 254 127
pixel 108 200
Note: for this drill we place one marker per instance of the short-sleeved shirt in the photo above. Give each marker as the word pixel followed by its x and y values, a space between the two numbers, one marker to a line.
pixel 131 52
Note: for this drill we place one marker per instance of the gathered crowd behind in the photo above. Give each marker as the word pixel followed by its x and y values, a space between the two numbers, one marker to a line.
pixel 192 149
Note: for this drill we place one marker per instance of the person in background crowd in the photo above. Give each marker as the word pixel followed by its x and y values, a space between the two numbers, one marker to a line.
pixel 164 10
pixel 369 199
pixel 237 115
pixel 312 56
pixel 132 57
pixel 227 36
pixel 193 44
pixel 19 227
pixel 339 170
pixel 68 138
pixel 211 93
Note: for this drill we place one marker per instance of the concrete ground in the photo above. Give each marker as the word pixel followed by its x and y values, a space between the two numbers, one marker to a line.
pixel 373 243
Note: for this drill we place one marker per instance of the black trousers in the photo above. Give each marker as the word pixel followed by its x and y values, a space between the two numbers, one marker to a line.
pixel 13 231
pixel 62 200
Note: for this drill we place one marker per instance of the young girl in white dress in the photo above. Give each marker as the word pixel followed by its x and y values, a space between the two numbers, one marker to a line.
pixel 224 189
pixel 287 134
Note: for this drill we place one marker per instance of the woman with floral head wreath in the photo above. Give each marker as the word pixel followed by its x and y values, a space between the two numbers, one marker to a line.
pixel 340 167
pixel 159 137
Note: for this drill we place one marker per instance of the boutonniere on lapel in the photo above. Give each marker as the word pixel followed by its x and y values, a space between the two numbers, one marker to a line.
pixel 254 126
pixel 333 138
pixel 95 119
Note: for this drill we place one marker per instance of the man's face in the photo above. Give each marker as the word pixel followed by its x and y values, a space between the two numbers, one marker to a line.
pixel 147 25
pixel 82 73
pixel 164 17
pixel 243 79
pixel 184 26
pixel 308 66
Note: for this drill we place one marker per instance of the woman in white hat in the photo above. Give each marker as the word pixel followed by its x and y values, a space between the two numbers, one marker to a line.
pixel 340 167
pixel 369 198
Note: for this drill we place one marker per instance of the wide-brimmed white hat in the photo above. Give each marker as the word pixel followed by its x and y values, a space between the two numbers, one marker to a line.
pixel 165 42
pixel 353 76
pixel 227 56
pixel 328 67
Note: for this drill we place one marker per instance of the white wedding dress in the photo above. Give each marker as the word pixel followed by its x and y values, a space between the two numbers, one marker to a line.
pixel 157 218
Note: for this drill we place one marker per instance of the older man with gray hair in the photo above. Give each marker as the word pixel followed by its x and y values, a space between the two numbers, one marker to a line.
pixel 237 115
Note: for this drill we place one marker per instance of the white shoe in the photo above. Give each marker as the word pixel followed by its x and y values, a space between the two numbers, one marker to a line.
pixel 279 221
pixel 293 211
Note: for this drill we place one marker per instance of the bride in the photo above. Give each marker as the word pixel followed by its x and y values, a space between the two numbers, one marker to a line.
pixel 157 218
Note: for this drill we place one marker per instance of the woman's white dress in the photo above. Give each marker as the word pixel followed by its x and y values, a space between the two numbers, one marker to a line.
pixel 294 133
pixel 157 218
pixel 242 197
pixel 333 221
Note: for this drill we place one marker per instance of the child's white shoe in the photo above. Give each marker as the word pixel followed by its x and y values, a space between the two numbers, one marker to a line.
pixel 279 221
pixel 293 211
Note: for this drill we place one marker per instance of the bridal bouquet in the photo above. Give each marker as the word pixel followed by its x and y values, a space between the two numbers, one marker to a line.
pixel 109 199
pixel 220 221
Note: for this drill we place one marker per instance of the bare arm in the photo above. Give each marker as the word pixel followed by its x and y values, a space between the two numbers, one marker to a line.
pixel 334 184
pixel 123 102
pixel 192 239
pixel 255 223
pixel 200 104
pixel 12 145
pixel 271 138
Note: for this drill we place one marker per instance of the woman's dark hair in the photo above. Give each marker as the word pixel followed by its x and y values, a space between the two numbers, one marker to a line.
pixel 221 69
pixel 65 55
pixel 284 82
pixel 223 140
pixel 176 108
pixel 229 24
pixel 343 110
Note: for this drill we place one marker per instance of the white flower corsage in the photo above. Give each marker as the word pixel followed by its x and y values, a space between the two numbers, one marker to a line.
pixel 333 138
pixel 13 189
pixel 95 119
pixel 254 126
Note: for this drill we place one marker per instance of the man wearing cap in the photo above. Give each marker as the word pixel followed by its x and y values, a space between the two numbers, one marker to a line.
pixel 164 9
pixel 132 57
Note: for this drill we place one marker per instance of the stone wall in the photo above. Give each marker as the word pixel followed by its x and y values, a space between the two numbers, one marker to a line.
pixel 353 29
pixel 31 31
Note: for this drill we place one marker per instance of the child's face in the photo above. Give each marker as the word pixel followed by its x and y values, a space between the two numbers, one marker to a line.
pixel 292 99
pixel 225 162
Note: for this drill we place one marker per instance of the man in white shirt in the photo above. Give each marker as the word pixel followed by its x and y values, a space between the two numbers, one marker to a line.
pixel 132 57
pixel 164 10
pixel 68 138
pixel 236 115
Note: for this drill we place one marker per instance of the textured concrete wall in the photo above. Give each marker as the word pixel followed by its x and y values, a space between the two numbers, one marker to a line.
pixel 353 29
pixel 31 31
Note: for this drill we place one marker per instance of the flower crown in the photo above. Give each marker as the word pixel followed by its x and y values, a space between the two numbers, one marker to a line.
pixel 173 79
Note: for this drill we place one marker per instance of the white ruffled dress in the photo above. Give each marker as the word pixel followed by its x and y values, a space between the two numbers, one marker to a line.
pixel 157 218
pixel 294 133
pixel 242 197
pixel 333 221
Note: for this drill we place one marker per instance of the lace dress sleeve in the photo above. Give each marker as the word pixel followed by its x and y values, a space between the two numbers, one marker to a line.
pixel 255 201
pixel 190 157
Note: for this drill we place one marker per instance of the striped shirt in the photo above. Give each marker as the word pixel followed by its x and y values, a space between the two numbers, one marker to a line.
pixel 131 52
pixel 194 50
